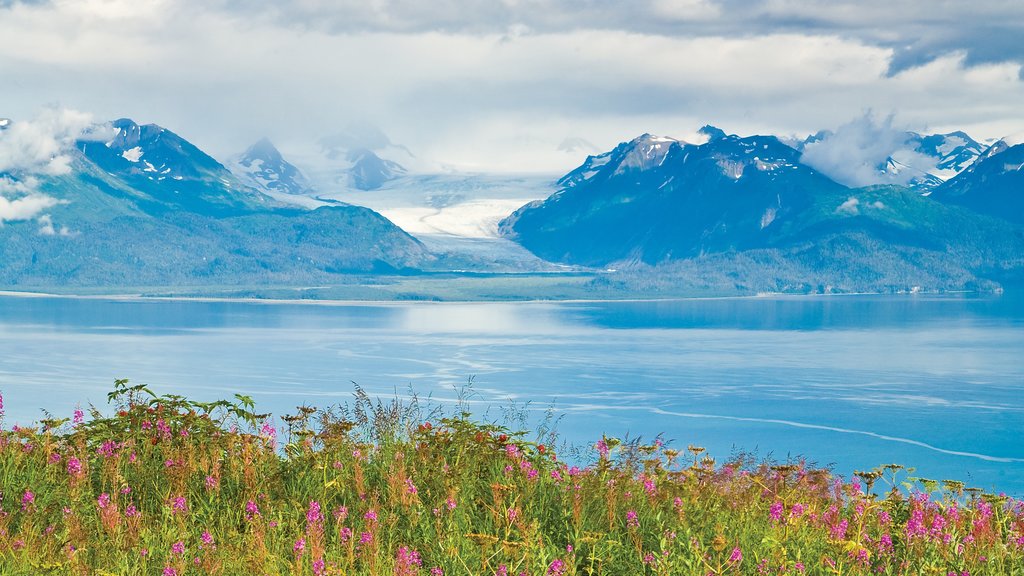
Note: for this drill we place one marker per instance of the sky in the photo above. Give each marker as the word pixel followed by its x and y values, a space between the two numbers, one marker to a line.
pixel 500 85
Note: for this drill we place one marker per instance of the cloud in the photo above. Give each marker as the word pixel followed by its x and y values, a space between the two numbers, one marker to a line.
pixel 46 227
pixel 38 147
pixel 856 153
pixel 849 207
pixel 469 83
pixel 19 202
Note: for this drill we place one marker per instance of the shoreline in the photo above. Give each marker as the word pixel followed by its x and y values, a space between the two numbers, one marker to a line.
pixel 139 297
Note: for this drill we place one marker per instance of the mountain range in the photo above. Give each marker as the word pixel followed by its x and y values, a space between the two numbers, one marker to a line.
pixel 748 213
pixel 142 206
pixel 148 208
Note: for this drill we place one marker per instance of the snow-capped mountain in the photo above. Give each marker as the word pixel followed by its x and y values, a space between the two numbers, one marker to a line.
pixel 361 157
pixel 141 205
pixel 748 210
pixel 368 171
pixel 930 160
pixel 993 184
pixel 655 198
pixel 4 123
pixel 170 172
pixel 920 161
pixel 263 167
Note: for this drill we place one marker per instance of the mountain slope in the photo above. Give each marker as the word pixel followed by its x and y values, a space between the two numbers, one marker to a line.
pixel 745 212
pixel 264 168
pixel 655 199
pixel 994 184
pixel 149 208
pixel 169 173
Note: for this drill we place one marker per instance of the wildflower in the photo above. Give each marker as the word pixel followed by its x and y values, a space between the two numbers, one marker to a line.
pixel 299 546
pixel 313 514
pixel 178 548
pixel 131 511
pixel 319 566
pixel 269 433
pixel 649 559
pixel 436 571
pixel 74 466
pixel 211 482
pixel 251 510
pixel 649 486
pixel 163 429
pixel 371 515
pixel 345 534
pixel 206 538
pixel 450 503
pixel 799 567
pixel 103 501
pixel 54 458
pixel 77 417
pixel 797 510
pixel 502 571
pixel 838 531
pixel 27 499
pixel 178 504
pixel 775 512
pixel 340 513
pixel 365 538
pixel 557 567
pixel 736 557
pixel 513 513
pixel 632 520
pixel 108 449
pixel 407 562
pixel 168 571
pixel 602 448
pixel 410 488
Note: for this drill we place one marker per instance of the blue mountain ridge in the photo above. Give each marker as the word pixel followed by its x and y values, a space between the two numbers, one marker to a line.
pixel 148 207
pixel 745 212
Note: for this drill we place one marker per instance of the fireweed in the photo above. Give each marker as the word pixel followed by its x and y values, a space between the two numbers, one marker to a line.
pixel 170 486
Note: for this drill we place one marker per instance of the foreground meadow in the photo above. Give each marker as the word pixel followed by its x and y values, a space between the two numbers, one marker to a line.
pixel 173 487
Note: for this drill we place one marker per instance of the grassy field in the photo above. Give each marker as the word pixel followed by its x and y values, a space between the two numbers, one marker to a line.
pixel 172 487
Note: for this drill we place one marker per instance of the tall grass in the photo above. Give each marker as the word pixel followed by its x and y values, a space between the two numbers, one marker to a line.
pixel 170 486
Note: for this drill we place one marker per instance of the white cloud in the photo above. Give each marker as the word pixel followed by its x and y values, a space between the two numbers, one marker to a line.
pixel 40 145
pixel 849 207
pixel 23 206
pixel 468 83
pixel 857 152
pixel 37 147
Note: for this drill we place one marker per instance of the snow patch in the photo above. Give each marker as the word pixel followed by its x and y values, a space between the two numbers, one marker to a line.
pixel 132 155
pixel 731 168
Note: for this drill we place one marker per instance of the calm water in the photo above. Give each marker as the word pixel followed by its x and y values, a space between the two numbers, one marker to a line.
pixel 853 381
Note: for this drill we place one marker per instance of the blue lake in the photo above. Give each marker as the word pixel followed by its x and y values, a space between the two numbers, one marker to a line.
pixel 854 381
